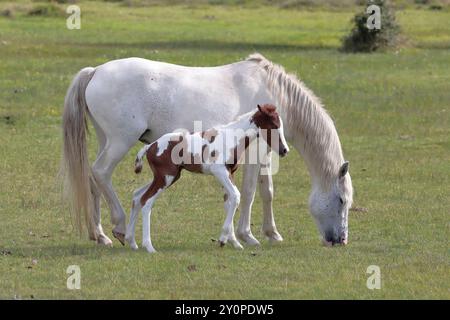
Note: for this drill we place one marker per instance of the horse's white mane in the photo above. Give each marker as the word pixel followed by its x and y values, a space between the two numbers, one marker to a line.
pixel 309 123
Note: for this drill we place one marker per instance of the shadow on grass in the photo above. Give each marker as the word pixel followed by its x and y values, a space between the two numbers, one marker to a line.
pixel 212 45
pixel 90 250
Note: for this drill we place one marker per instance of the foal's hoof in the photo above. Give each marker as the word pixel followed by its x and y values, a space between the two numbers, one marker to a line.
pixel 119 236
pixel 236 244
pixel 149 248
pixel 104 241
pixel 131 241
pixel 133 244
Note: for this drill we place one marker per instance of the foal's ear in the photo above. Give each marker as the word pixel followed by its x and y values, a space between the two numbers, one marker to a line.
pixel 259 107
pixel 344 169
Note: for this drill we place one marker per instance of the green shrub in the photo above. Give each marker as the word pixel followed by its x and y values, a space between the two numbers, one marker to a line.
pixel 47 10
pixel 363 39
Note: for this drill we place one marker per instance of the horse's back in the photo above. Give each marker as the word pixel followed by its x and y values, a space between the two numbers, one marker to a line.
pixel 162 97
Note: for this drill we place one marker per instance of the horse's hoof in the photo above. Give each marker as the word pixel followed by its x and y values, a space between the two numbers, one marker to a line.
pixel 119 236
pixel 273 236
pixel 222 244
pixel 248 239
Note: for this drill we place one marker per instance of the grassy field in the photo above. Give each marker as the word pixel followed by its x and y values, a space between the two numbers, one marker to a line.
pixel 392 112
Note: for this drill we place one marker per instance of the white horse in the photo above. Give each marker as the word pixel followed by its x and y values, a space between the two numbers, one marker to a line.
pixel 136 99
pixel 216 152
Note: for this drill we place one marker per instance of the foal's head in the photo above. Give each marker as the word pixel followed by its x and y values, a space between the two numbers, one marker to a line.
pixel 271 128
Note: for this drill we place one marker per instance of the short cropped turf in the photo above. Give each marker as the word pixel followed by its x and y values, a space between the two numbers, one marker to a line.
pixel 391 110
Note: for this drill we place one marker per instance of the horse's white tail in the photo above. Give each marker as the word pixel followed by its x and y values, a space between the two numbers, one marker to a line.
pixel 75 162
pixel 139 156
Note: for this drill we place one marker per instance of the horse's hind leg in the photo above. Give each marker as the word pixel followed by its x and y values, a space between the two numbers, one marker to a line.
pixel 96 194
pixel 102 169
pixel 101 236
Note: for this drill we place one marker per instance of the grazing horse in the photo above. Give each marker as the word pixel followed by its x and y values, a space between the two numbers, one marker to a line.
pixel 135 99
pixel 215 152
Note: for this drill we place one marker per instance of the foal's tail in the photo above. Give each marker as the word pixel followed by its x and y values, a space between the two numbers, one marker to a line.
pixel 75 162
pixel 139 156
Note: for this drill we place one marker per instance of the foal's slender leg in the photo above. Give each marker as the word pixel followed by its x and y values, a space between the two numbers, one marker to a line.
pixel 103 168
pixel 249 183
pixel 135 208
pixel 151 194
pixel 231 204
pixel 266 191
pixel 158 185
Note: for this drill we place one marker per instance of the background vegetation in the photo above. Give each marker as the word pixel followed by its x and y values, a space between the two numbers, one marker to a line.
pixel 391 110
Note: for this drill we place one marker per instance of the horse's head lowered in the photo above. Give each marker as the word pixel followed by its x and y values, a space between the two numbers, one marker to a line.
pixel 271 128
pixel 330 208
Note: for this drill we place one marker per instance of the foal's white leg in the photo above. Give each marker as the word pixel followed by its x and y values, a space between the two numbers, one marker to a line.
pixel 103 168
pixel 146 214
pixel 249 182
pixel 135 208
pixel 266 191
pixel 231 205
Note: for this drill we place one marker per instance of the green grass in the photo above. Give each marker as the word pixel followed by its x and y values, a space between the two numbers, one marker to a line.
pixel 392 112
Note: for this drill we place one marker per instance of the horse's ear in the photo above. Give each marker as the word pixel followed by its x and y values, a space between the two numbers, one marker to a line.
pixel 344 169
pixel 259 107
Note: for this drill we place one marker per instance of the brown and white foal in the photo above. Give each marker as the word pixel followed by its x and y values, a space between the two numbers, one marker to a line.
pixel 216 152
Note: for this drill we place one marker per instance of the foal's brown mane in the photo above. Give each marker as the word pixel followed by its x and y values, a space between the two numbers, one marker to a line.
pixel 266 117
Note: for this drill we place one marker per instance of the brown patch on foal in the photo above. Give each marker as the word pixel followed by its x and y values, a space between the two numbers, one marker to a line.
pixel 210 135
pixel 161 166
pixel 232 162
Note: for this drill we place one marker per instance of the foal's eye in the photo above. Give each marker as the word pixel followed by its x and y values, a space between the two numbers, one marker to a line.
pixel 341 201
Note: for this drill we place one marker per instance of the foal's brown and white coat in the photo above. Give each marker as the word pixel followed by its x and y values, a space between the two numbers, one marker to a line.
pixel 216 152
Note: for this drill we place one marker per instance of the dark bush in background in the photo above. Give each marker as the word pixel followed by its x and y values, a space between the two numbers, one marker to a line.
pixel 362 39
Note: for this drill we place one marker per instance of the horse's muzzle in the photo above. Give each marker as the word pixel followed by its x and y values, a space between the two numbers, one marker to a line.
pixel 283 152
pixel 332 242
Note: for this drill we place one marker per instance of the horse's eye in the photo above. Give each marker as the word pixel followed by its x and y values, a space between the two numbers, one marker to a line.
pixel 341 201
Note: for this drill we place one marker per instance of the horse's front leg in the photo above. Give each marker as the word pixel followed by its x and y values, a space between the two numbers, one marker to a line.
pixel 269 228
pixel 249 182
